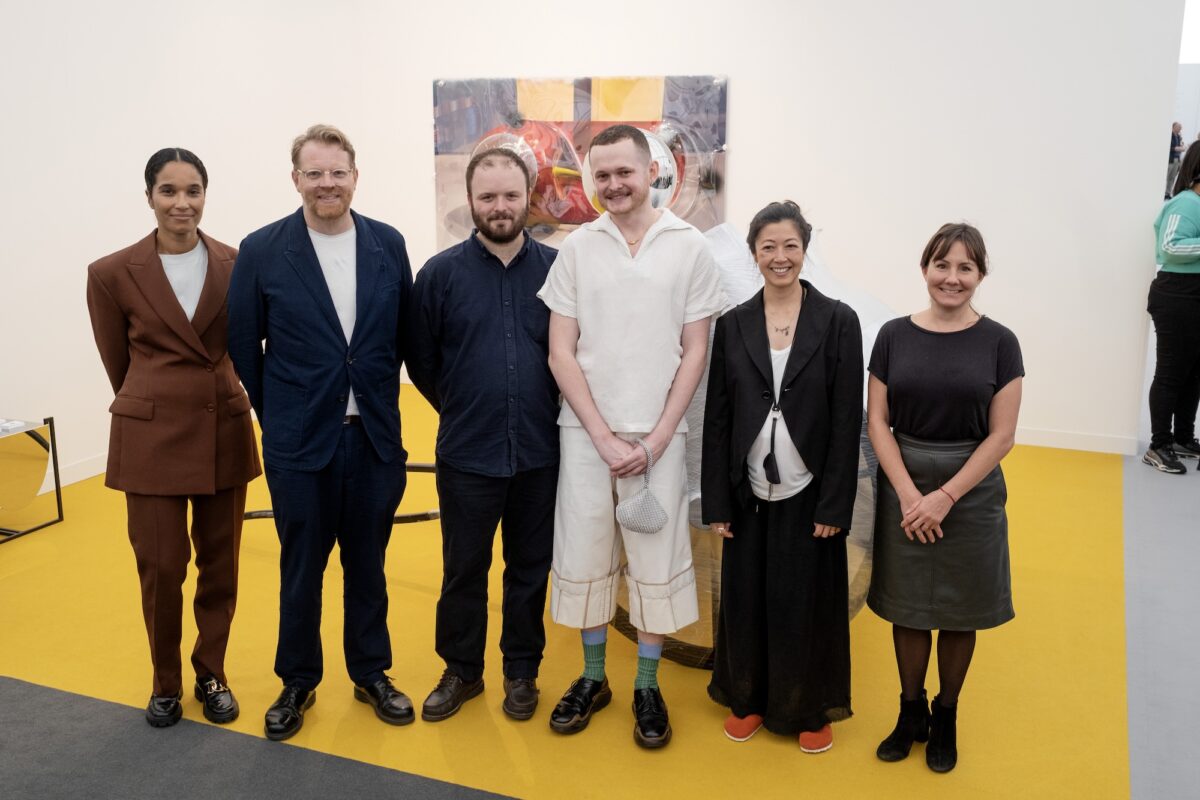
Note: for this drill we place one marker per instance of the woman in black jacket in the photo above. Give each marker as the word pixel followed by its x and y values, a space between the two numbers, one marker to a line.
pixel 779 478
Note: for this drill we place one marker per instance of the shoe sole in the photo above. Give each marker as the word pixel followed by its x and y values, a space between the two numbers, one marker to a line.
pixel 518 714
pixel 745 738
pixel 431 717
pixel 164 722
pixel 217 719
pixel 279 737
pixel 577 724
pixel 814 751
pixel 1163 467
pixel 651 744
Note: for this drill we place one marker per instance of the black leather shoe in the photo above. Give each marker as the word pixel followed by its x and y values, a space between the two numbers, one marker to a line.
pixel 448 696
pixel 391 705
pixel 520 697
pixel 163 712
pixel 653 729
pixel 286 715
pixel 584 698
pixel 220 706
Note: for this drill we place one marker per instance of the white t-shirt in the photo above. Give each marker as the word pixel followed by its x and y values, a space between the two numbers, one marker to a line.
pixel 186 273
pixel 631 311
pixel 337 257
pixel 793 472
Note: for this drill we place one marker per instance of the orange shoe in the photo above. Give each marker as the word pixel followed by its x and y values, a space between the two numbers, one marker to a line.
pixel 817 741
pixel 742 728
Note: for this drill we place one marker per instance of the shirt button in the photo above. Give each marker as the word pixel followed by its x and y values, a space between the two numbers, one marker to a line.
pixel 208 367
pixel 508 302
pixel 210 407
pixel 508 336
pixel 511 367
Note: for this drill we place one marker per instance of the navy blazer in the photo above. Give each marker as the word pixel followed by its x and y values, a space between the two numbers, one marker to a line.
pixel 299 386
pixel 821 400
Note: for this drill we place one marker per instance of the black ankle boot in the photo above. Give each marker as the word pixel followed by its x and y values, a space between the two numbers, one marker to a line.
pixel 941 754
pixel 911 726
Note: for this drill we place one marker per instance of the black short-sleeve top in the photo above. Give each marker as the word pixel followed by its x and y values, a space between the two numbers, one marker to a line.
pixel 940 385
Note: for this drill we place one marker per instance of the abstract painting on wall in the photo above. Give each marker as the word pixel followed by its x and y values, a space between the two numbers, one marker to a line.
pixel 550 123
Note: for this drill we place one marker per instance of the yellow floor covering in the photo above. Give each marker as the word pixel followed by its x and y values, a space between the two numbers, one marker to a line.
pixel 1042 714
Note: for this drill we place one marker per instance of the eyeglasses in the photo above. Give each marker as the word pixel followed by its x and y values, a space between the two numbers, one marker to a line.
pixel 314 175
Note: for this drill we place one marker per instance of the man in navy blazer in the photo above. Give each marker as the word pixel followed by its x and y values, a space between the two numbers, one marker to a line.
pixel 325 289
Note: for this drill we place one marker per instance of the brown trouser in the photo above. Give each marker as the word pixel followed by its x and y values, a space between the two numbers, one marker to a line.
pixel 159 534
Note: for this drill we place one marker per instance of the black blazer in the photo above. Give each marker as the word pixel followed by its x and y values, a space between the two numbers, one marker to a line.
pixel 821 400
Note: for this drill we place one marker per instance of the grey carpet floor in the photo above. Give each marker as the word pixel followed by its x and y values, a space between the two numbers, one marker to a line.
pixel 55 744
pixel 1162 598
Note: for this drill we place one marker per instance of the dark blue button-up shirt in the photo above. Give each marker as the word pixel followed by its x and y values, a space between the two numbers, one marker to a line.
pixel 478 351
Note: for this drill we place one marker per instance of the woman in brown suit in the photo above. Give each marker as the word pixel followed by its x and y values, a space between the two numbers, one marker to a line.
pixel 180 427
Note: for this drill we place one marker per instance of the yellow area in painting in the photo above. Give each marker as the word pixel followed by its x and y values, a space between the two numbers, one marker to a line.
pixel 626 99
pixel 551 101
pixel 1056 674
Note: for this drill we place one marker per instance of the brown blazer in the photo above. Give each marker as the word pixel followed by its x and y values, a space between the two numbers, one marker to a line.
pixel 180 419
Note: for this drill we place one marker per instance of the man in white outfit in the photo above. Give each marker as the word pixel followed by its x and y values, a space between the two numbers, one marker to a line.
pixel 632 296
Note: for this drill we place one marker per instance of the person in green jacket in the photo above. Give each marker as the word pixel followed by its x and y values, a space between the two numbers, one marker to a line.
pixel 1174 305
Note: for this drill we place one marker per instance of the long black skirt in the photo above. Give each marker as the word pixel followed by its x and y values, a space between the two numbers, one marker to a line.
pixel 783 629
pixel 961 582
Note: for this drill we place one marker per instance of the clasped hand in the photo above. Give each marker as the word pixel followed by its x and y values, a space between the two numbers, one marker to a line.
pixel 627 459
pixel 923 515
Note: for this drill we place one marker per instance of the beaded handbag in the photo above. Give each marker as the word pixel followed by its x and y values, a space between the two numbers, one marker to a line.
pixel 642 513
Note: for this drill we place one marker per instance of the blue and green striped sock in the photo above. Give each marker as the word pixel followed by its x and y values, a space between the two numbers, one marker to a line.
pixel 649 656
pixel 594 643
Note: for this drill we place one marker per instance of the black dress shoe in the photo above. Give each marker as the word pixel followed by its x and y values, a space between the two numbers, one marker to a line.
pixel 653 729
pixel 520 697
pixel 220 706
pixel 584 698
pixel 286 715
pixel 164 711
pixel 391 705
pixel 448 696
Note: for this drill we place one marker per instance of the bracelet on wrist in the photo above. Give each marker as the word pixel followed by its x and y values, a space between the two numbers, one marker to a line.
pixel 942 489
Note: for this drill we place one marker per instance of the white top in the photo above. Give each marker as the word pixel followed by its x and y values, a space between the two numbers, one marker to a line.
pixel 793 472
pixel 186 273
pixel 337 257
pixel 631 311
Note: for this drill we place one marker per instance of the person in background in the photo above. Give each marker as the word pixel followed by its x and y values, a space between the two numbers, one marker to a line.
pixel 942 406
pixel 779 478
pixel 1173 158
pixel 1174 305
pixel 181 432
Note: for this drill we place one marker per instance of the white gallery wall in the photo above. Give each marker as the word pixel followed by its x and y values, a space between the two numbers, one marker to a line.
pixel 1041 122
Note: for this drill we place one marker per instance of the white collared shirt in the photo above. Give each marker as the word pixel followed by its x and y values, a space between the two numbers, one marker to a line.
pixel 631 311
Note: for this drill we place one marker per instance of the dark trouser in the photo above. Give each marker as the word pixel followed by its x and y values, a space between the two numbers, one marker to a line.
pixel 471 508
pixel 1174 304
pixel 159 535
pixel 352 500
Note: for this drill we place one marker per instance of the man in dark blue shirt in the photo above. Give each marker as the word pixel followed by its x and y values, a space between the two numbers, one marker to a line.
pixel 478 352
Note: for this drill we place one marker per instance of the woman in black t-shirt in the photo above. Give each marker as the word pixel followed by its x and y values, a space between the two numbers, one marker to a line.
pixel 942 405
